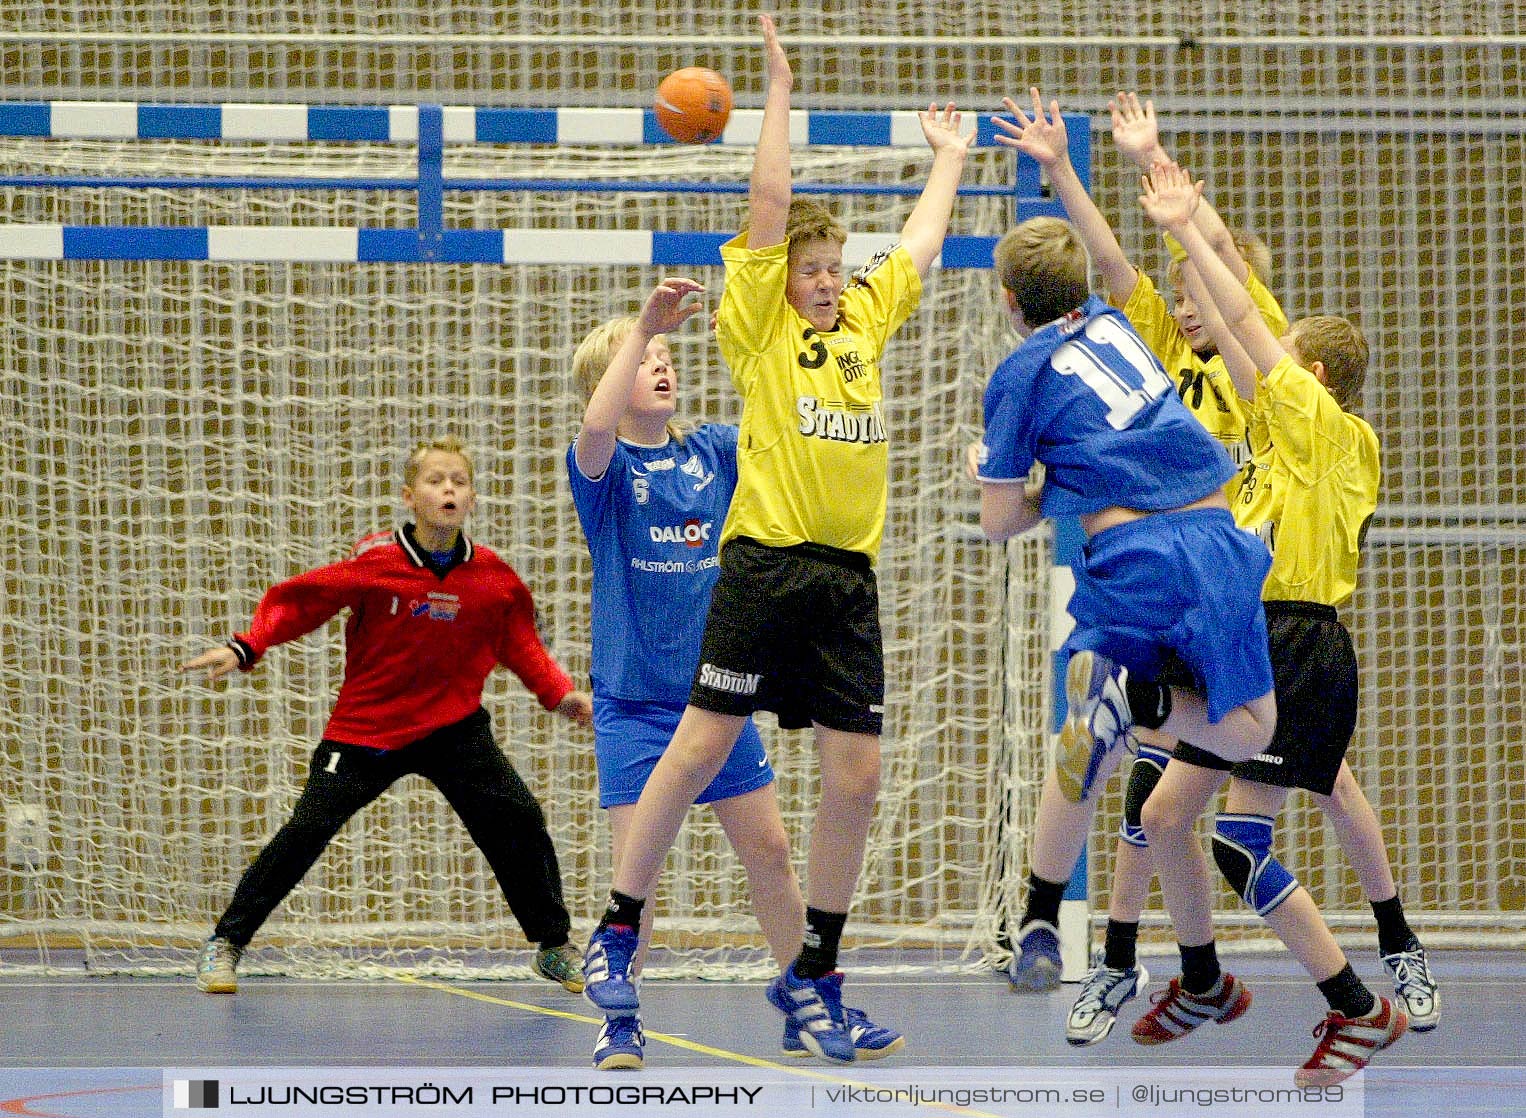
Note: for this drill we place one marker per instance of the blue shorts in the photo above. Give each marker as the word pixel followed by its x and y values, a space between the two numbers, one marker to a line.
pixel 628 739
pixel 1182 582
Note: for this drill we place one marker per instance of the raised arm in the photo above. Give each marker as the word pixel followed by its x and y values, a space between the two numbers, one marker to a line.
pixel 663 311
pixel 1169 199
pixel 1136 133
pixel 922 235
pixel 768 192
pixel 1241 369
pixel 1043 137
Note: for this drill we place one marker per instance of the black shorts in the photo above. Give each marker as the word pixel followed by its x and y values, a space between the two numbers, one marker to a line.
pixel 794 630
pixel 1314 669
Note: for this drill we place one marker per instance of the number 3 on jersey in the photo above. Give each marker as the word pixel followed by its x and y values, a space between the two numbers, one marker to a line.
pixel 1107 357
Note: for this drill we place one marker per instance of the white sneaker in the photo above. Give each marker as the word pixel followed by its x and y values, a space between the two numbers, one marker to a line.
pixel 1416 988
pixel 1103 992
pixel 217 969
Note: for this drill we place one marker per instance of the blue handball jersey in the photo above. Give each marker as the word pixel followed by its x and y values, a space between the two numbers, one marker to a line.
pixel 653 524
pixel 1087 398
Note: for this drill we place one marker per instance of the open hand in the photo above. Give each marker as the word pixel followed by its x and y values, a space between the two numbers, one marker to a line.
pixel 1136 131
pixel 218 662
pixel 942 129
pixel 1170 196
pixel 1040 136
pixel 665 309
pixel 776 62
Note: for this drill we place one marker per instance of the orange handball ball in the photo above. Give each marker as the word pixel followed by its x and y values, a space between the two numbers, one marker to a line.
pixel 693 105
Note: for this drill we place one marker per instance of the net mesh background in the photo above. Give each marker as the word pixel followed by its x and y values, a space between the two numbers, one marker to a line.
pixel 179 435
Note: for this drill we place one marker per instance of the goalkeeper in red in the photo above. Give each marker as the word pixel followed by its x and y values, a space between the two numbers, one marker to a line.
pixel 431 614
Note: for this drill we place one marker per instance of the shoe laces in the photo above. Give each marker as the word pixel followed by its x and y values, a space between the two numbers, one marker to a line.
pixel 1160 997
pixel 829 988
pixel 1409 968
pixel 1095 986
pixel 618 947
pixel 1329 1029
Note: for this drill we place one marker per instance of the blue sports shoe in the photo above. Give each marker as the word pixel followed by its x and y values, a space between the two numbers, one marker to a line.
pixel 1097 722
pixel 1035 957
pixel 870 1041
pixel 620 1045
pixel 803 1002
pixel 607 970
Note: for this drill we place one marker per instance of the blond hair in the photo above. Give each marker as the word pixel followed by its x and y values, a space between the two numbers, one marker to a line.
pixel 811 221
pixel 1043 263
pixel 590 361
pixel 1252 249
pixel 1339 345
pixel 447 444
pixel 1255 252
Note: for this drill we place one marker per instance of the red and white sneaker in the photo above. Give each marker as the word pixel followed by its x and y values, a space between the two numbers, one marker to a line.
pixel 1177 1012
pixel 1347 1043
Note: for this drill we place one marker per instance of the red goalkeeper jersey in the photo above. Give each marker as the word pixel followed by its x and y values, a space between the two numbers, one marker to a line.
pixel 420 640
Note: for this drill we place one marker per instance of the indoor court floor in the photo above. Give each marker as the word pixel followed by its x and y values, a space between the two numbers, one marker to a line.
pixel 86 1047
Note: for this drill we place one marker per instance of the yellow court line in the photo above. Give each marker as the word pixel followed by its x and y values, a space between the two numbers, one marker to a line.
pixel 678 1042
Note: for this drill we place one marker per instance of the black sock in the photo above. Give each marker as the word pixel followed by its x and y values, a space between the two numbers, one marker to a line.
pixel 823 934
pixel 622 910
pixel 1043 901
pixel 1394 932
pixel 1118 949
pixel 1347 994
pixel 1149 702
pixel 1200 968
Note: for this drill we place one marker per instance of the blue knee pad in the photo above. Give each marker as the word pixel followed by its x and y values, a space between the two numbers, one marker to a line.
pixel 1149 764
pixel 1242 849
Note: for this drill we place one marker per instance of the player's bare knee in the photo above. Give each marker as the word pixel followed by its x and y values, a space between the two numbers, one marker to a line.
pixel 767 854
pixel 1165 818
pixel 859 786
pixel 696 755
pixel 851 784
pixel 1344 797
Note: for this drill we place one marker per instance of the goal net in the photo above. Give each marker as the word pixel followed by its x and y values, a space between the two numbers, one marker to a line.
pixel 178 435
pixel 187 433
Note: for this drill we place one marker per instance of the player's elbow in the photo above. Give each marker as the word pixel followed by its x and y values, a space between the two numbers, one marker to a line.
pixel 994 525
pixel 1003 524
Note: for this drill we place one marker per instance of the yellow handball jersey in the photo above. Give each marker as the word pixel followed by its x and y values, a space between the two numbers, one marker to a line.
pixel 812 456
pixel 1312 488
pixel 1205 386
